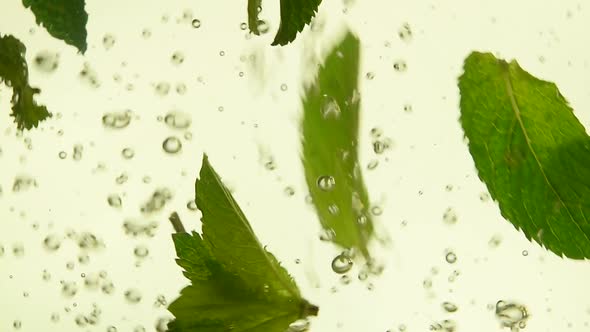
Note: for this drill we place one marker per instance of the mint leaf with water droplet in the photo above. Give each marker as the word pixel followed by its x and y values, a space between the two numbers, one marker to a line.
pixel 63 19
pixel 330 128
pixel 531 152
pixel 236 284
pixel 15 73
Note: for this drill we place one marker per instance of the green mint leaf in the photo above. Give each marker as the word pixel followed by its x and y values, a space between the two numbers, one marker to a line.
pixel 63 19
pixel 15 73
pixel 295 14
pixel 531 152
pixel 236 284
pixel 253 6
pixel 330 128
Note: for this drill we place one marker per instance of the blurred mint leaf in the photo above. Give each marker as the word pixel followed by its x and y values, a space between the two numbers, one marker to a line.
pixel 531 152
pixel 236 284
pixel 330 128
pixel 63 19
pixel 15 73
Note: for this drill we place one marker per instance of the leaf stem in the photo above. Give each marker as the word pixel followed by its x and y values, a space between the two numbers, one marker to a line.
pixel 176 223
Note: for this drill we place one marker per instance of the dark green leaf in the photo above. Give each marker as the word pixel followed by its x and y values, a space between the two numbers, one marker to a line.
pixel 236 284
pixel 295 14
pixel 15 73
pixel 530 150
pixel 330 143
pixel 63 19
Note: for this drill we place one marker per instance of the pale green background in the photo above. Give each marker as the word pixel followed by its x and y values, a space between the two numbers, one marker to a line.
pixel 549 39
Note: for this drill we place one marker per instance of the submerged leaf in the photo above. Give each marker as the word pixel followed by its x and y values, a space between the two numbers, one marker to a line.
pixel 330 137
pixel 530 150
pixel 236 284
pixel 295 15
pixel 253 6
pixel 63 19
pixel 15 73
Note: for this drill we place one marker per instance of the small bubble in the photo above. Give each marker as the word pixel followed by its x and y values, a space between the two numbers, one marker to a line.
pixel 62 155
pixel 146 33
pixel 221 53
pixel 18 250
pixel 191 205
pixel 345 279
pixel 177 58
pixel 177 120
pixel 333 209
pixel 81 320
pixel 111 329
pixel 128 153
pixel 172 145
pixel 17 324
pixel 449 307
pixel 405 32
pixel 400 66
pixel 181 88
pixel 122 178
pixel 284 87
pixel 341 263
pixel 69 288
pixel 141 251
pixel 495 241
pixel 77 155
pixel 115 201
pixel 108 41
pixel 373 164
pixel 370 75
pixel 54 317
pixel 525 253
pixel 511 314
pixel 139 328
pixel 408 108
pixel 52 242
pixel 451 257
pixel 263 26
pixel 330 108
pixel 133 296
pixel 46 61
pixel 376 210
pixel 162 88
pixel 46 276
pixel 427 283
pixel 449 216
pixel 196 23
pixel 327 235
pixel 108 288
pixel 326 182
pixel 289 191
pixel 116 120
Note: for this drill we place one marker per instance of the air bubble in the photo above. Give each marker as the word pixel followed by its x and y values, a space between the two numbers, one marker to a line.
pixel 400 66
pixel 116 120
pixel 172 145
pixel 108 41
pixel 341 263
pixel 449 307
pixel 177 120
pixel 46 61
pixel 141 251
pixel 133 295
pixel 177 58
pixel 196 23
pixel 451 257
pixel 128 153
pixel 326 182
pixel 52 242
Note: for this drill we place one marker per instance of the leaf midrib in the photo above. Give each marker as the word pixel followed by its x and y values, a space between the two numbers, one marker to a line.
pixel 509 90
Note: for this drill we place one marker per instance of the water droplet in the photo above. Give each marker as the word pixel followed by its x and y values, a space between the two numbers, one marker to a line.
pixel 333 209
pixel 326 182
pixel 376 210
pixel 327 235
pixel 451 257
pixel 449 307
pixel 525 253
pixel 177 120
pixel 284 87
pixel 133 295
pixel 196 23
pixel 62 155
pixel 172 145
pixel 243 26
pixel 52 242
pixel 116 120
pixel 341 263
pixel 141 251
